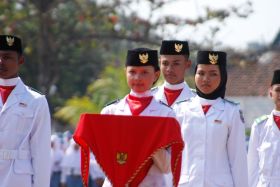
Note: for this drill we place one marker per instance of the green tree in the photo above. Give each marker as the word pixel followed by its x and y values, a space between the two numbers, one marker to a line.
pixel 68 43
pixel 110 85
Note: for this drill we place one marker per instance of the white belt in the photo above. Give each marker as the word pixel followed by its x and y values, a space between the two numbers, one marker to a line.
pixel 6 154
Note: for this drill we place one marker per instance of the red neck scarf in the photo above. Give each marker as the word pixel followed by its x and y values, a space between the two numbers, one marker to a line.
pixel 123 145
pixel 277 120
pixel 138 104
pixel 171 95
pixel 5 92
pixel 205 108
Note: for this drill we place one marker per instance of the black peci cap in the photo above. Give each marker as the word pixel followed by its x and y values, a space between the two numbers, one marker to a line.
pixel 276 77
pixel 10 43
pixel 174 47
pixel 142 57
pixel 212 57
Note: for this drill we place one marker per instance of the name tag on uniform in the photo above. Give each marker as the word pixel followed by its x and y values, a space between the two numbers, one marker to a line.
pixel 217 121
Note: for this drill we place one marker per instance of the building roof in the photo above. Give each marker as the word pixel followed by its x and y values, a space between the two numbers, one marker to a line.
pixel 252 78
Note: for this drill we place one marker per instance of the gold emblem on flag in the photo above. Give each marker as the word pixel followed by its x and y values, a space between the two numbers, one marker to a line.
pixel 121 158
pixel 213 58
pixel 10 41
pixel 144 58
pixel 178 47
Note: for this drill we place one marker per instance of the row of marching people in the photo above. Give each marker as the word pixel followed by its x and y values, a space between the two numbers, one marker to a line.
pixel 212 127
pixel 66 164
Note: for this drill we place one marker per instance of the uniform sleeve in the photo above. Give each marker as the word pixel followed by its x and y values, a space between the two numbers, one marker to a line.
pixel 236 147
pixel 40 145
pixel 253 157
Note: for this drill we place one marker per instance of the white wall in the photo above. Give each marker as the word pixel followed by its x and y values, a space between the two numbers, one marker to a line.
pixel 253 107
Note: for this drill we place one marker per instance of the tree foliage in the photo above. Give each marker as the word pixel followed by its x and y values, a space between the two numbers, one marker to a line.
pixel 108 87
pixel 67 44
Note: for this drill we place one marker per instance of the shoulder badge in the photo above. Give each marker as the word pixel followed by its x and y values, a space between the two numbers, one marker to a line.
pixel 112 102
pixel 260 119
pixel 33 89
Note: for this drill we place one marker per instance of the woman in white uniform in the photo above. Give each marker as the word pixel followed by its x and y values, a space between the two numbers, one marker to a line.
pixel 142 71
pixel 264 144
pixel 213 129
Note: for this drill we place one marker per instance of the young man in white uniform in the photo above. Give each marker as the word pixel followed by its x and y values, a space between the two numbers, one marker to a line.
pixel 264 144
pixel 24 124
pixel 174 62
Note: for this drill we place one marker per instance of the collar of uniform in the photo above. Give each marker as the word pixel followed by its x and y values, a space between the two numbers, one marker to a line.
pixel 218 104
pixel 144 94
pixel 9 82
pixel 123 104
pixel 270 123
pixel 17 96
pixel 207 101
pixel 276 112
pixel 174 86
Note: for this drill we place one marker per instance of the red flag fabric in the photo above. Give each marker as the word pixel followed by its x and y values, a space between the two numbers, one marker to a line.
pixel 123 145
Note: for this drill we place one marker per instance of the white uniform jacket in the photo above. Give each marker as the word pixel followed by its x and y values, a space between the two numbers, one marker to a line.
pixel 186 93
pixel 25 139
pixel 154 178
pixel 264 153
pixel 215 148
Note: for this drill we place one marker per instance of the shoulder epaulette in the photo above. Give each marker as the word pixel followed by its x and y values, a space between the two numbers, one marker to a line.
pixel 154 89
pixel 231 102
pixel 261 119
pixel 178 102
pixel 193 90
pixel 33 89
pixel 164 104
pixel 112 102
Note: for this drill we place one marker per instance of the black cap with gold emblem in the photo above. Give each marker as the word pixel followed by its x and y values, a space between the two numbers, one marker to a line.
pixel 174 47
pixel 142 57
pixel 10 43
pixel 276 77
pixel 212 57
pixel 218 58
